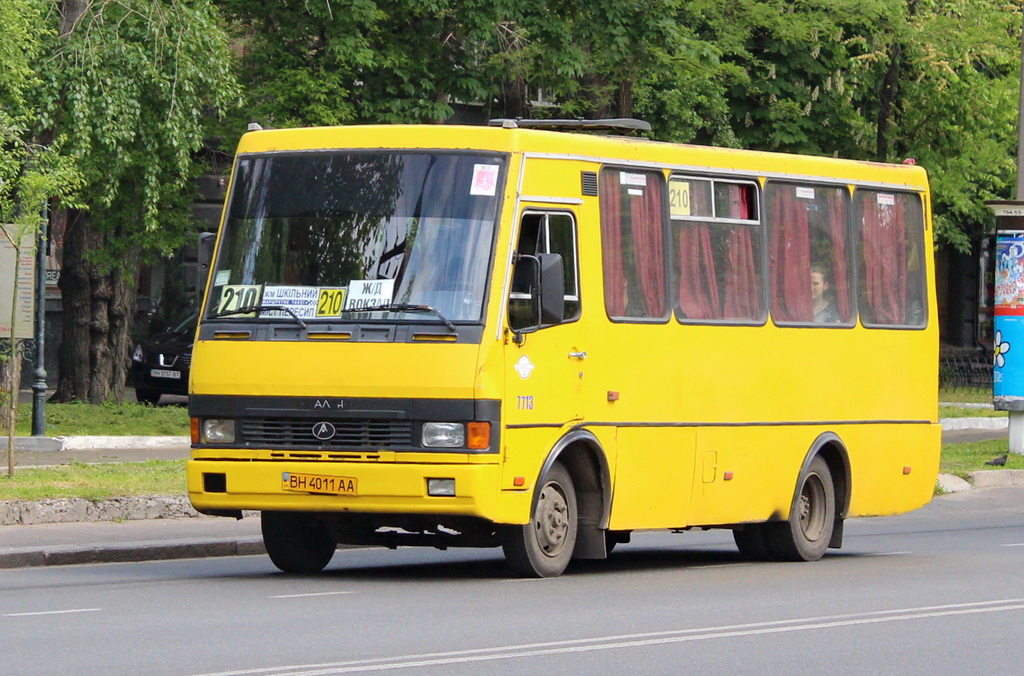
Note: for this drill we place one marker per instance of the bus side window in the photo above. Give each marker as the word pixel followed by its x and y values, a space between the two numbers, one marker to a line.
pixel 544 233
pixel 890 256
pixel 811 279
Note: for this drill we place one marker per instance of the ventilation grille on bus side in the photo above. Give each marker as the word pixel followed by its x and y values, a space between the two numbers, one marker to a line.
pixel 589 183
pixel 367 434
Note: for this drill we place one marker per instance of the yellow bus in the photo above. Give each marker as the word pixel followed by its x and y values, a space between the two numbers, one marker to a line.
pixel 517 335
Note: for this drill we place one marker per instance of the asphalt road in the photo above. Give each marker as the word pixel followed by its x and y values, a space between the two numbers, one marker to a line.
pixel 939 591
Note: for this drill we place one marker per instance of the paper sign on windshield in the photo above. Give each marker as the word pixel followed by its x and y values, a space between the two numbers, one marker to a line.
pixel 369 292
pixel 302 300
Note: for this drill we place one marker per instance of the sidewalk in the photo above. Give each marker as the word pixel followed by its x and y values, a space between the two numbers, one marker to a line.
pixel 62 532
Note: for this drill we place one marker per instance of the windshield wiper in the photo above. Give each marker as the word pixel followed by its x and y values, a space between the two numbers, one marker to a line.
pixel 260 308
pixel 403 307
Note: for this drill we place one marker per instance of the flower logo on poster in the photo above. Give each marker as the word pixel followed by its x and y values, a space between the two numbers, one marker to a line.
pixel 1001 348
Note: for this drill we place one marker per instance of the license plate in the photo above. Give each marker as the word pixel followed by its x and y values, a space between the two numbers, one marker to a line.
pixel 161 373
pixel 318 483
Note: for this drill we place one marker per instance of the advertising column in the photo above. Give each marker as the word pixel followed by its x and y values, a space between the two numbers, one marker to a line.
pixel 1008 358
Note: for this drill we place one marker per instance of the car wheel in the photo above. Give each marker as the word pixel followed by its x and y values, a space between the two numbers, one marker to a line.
pixel 144 396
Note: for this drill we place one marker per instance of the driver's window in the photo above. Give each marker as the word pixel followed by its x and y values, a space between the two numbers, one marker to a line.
pixel 550 232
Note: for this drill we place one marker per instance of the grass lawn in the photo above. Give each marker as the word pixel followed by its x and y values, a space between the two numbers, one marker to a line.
pixel 126 418
pixel 95 482
pixel 969 412
pixel 960 459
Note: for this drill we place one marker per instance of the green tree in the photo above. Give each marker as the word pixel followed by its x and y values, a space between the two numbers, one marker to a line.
pixel 127 83
pixel 30 173
pixel 954 107
pixel 327 62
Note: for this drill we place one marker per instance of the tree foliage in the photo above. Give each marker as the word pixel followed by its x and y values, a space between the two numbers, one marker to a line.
pixel 864 79
pixel 129 84
pixel 111 99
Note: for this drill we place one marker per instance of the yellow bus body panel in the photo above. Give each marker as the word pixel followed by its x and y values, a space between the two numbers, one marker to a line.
pixel 697 424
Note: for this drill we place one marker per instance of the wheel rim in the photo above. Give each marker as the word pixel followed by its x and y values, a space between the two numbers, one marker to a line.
pixel 812 508
pixel 551 524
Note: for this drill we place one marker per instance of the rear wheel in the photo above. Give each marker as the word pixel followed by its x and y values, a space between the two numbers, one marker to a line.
pixel 806 534
pixel 297 542
pixel 543 547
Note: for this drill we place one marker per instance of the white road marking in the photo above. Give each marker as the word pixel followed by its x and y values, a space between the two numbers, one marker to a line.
pixel 1015 544
pixel 53 612
pixel 616 642
pixel 299 596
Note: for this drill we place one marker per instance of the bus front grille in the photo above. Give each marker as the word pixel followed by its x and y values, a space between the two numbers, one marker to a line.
pixel 367 434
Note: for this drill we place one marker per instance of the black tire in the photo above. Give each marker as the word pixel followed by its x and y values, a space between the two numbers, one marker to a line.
pixel 144 396
pixel 806 534
pixel 297 542
pixel 752 541
pixel 543 547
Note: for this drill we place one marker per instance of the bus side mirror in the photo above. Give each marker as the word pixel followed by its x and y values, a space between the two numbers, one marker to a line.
pixel 552 289
pixel 538 293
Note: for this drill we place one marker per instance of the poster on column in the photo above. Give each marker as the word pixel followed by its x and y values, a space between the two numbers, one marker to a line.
pixel 1008 362
pixel 21 291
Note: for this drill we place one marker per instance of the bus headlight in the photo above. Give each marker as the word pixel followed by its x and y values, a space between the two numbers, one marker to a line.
pixel 443 435
pixel 218 431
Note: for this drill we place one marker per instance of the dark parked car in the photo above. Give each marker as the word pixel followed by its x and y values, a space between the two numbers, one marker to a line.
pixel 160 365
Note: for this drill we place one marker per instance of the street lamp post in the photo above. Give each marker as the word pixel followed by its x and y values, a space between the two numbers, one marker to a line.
pixel 39 374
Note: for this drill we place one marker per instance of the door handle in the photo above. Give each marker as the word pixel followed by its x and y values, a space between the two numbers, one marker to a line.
pixel 577 355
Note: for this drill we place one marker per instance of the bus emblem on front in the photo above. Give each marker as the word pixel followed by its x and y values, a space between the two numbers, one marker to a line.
pixel 324 431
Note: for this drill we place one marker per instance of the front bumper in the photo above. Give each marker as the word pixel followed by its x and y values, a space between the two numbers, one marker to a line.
pixel 395 488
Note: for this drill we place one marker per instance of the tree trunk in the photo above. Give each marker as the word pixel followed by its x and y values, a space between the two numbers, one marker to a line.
pixel 886 102
pixel 71 13
pixel 99 311
pixel 10 380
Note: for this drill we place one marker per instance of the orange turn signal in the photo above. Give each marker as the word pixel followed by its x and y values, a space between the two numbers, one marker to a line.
pixel 194 428
pixel 478 435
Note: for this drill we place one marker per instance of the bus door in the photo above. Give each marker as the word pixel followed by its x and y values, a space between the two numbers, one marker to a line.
pixel 545 363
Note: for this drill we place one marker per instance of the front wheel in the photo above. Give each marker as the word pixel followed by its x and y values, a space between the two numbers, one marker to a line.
pixel 297 542
pixel 543 547
pixel 806 534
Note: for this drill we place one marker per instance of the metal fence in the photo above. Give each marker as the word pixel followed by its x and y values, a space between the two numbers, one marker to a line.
pixel 965 372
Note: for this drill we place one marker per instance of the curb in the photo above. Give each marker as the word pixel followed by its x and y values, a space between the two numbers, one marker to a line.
pixel 74 510
pixel 950 424
pixel 160 550
pixel 91 443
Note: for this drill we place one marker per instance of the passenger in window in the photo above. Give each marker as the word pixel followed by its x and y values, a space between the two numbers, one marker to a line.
pixel 824 310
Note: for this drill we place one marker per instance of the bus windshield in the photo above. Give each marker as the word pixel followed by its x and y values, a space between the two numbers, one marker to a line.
pixel 321 235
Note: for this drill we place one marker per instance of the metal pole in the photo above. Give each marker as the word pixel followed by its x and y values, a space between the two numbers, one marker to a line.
pixel 1016 422
pixel 39 375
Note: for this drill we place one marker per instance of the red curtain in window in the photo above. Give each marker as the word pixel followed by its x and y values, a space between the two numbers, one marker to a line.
pixel 885 257
pixel 611 244
pixel 742 290
pixel 840 275
pixel 649 246
pixel 790 258
pixel 698 283
pixel 698 290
